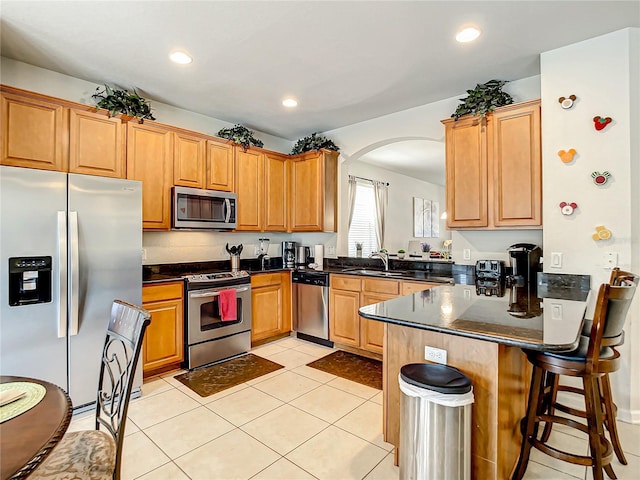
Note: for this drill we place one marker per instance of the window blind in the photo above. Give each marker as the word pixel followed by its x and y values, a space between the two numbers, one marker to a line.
pixel 363 225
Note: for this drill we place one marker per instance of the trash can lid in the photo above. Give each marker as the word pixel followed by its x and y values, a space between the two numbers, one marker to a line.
pixel 439 378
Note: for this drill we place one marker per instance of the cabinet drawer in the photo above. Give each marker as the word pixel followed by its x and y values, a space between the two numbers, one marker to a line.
pixel 266 279
pixel 164 291
pixel 345 282
pixel 412 287
pixel 380 286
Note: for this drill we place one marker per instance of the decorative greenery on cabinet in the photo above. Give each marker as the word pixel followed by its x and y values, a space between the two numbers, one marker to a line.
pixel 241 135
pixel 313 142
pixel 483 99
pixel 119 101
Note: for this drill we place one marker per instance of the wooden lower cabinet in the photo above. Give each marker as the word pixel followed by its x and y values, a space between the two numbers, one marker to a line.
pixel 344 321
pixel 347 294
pixel 270 306
pixel 163 346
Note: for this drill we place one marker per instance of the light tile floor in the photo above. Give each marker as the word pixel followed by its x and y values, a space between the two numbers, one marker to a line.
pixel 296 423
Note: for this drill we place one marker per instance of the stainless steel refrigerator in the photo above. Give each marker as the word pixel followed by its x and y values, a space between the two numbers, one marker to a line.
pixel 69 245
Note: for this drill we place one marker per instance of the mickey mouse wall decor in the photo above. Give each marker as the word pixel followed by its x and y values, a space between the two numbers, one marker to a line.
pixel 600 122
pixel 567 156
pixel 600 178
pixel 568 208
pixel 567 102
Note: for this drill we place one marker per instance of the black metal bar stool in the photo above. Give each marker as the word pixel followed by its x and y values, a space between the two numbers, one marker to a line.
pixel 591 361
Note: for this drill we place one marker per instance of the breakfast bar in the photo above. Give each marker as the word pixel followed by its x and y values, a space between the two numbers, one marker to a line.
pixel 483 337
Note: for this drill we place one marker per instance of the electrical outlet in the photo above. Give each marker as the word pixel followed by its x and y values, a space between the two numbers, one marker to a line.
pixel 609 260
pixel 256 250
pixel 466 254
pixel 556 260
pixel 331 250
pixel 144 254
pixel 436 355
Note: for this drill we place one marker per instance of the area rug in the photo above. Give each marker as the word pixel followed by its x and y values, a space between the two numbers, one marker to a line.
pixel 215 378
pixel 352 367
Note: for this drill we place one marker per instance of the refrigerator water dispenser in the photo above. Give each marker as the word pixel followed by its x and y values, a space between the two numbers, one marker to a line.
pixel 29 280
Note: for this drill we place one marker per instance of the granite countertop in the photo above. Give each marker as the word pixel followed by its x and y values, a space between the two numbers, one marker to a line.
pixel 534 322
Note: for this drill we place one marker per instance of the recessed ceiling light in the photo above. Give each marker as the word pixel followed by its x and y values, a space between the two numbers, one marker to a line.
pixel 468 34
pixel 181 57
pixel 290 102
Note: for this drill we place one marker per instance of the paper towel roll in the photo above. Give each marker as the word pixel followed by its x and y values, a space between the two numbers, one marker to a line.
pixel 318 256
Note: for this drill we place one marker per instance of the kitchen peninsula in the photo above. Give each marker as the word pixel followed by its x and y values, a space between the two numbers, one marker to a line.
pixel 483 337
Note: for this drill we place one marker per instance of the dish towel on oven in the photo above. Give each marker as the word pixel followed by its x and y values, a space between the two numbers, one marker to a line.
pixel 227 302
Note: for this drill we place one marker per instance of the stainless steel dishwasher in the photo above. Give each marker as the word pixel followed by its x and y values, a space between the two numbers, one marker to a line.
pixel 311 306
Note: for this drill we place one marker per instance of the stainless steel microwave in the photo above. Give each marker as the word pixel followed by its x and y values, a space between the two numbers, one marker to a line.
pixel 194 208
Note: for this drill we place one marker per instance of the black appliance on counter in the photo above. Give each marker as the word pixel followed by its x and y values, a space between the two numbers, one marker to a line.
pixel 490 278
pixel 525 264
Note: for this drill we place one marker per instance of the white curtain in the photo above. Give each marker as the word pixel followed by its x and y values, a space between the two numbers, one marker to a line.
pixel 351 199
pixel 380 192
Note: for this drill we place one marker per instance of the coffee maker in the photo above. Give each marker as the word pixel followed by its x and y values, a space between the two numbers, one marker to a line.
pixel 289 254
pixel 524 259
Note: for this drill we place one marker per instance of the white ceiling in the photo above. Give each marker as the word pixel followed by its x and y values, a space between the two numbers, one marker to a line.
pixel 345 62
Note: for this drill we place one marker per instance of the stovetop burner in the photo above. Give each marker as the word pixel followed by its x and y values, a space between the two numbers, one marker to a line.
pixel 216 277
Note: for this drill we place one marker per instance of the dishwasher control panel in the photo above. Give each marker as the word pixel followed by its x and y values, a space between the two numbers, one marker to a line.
pixel 320 279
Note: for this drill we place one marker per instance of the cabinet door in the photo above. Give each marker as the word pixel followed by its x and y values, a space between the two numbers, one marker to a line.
pixel 275 212
pixel 371 331
pixel 466 166
pixel 266 307
pixel 517 166
pixel 188 160
pixel 34 133
pixel 307 193
pixel 164 339
pixel 344 321
pixel 220 166
pixel 250 189
pixel 150 160
pixel 96 144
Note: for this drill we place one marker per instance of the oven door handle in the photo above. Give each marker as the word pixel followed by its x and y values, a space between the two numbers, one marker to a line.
pixel 214 294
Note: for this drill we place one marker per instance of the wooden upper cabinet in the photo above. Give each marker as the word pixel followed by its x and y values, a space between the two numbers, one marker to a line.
pixel 517 166
pixel 96 144
pixel 34 133
pixel 276 192
pixel 314 191
pixel 188 160
pixel 493 167
pixel 150 160
pixel 220 166
pixel 466 170
pixel 249 182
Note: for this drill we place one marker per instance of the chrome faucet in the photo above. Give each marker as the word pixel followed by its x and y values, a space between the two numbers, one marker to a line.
pixel 384 256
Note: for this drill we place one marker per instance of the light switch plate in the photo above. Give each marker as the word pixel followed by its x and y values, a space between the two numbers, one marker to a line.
pixel 466 254
pixel 556 260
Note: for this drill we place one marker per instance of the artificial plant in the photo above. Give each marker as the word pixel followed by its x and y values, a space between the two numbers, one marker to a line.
pixel 313 142
pixel 120 101
pixel 241 135
pixel 483 99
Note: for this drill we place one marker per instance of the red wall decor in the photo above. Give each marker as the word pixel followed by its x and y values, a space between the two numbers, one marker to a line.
pixel 600 178
pixel 568 208
pixel 600 122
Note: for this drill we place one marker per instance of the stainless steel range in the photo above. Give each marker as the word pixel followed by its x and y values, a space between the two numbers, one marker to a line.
pixel 209 338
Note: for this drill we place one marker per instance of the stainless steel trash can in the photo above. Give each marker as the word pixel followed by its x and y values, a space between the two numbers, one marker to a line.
pixel 435 423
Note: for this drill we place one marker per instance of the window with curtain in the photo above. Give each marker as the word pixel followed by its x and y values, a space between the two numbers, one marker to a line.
pixel 363 224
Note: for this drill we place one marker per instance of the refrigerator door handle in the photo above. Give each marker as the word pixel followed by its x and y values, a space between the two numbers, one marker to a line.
pixel 74 276
pixel 62 274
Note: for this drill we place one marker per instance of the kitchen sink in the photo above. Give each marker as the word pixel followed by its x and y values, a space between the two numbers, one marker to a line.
pixel 376 273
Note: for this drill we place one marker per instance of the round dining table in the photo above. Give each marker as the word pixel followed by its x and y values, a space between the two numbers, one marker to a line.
pixel 27 439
